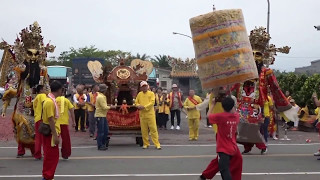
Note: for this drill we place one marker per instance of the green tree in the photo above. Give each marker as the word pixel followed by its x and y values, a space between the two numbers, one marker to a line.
pixel 161 61
pixel 110 56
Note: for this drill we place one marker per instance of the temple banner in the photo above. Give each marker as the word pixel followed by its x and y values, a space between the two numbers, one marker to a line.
pixel 222 47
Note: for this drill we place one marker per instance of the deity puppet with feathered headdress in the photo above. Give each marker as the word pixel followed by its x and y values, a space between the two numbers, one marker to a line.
pixel 22 69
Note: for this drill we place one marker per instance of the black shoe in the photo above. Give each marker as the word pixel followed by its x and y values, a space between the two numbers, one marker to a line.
pixel 103 148
pixel 38 159
pixel 83 130
pixel 95 138
pixel 202 177
pixel 245 152
pixel 20 155
pixel 65 158
pixel 263 151
pixel 91 135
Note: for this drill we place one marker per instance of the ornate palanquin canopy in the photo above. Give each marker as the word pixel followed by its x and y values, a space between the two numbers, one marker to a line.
pixel 183 69
pixel 125 74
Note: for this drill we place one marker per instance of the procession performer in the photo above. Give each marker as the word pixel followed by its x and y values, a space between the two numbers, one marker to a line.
pixel 26 59
pixel 79 100
pixel 193 114
pixel 37 106
pixel 91 109
pixel 164 109
pixel 65 108
pixel 50 138
pixel 229 159
pixel 253 94
pixel 145 103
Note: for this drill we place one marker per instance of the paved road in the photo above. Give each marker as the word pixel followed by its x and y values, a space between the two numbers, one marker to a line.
pixel 179 159
pixel 173 162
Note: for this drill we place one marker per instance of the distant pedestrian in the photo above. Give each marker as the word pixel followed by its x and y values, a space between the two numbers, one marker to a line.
pixel 175 106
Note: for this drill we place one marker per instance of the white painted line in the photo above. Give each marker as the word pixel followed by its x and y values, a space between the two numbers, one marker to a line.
pixel 182 145
pixel 157 175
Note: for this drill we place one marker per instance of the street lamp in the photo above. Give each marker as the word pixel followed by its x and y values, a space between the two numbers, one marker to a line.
pixel 268 21
pixel 176 33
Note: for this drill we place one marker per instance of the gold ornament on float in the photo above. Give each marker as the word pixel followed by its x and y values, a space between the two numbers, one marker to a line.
pixel 123 74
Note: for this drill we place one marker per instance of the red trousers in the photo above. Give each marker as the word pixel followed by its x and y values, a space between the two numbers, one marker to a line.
pixel 248 146
pixel 66 143
pixel 21 148
pixel 38 141
pixel 50 158
pixel 235 167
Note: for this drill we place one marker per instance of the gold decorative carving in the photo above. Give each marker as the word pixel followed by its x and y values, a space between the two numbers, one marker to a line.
pixel 123 74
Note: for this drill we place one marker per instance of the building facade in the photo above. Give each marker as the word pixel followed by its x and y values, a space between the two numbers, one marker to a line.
pixel 184 74
pixel 314 68
pixel 163 77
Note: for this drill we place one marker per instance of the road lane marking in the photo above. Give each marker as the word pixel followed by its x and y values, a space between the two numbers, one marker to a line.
pixel 165 157
pixel 177 145
pixel 157 175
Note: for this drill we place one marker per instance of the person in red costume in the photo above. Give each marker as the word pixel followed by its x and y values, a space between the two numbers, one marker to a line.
pixel 229 159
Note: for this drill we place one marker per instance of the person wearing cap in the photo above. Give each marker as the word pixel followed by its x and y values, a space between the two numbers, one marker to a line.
pixel 145 103
pixel 193 115
pixel 163 110
pixel 100 115
pixel 175 106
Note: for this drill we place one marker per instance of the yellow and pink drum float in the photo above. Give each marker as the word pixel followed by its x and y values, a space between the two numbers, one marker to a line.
pixel 222 47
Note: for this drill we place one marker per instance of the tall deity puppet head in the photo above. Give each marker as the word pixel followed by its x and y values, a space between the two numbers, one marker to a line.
pixel 263 52
pixel 30 51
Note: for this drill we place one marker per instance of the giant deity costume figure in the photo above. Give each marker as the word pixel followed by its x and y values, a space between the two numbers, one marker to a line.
pixel 253 94
pixel 22 68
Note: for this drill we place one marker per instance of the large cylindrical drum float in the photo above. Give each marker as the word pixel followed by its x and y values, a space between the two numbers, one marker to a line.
pixel 222 48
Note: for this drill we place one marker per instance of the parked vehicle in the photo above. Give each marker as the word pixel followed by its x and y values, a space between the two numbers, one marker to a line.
pixel 62 74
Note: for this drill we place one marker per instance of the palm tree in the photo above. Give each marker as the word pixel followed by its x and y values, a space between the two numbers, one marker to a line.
pixel 161 61
pixel 142 57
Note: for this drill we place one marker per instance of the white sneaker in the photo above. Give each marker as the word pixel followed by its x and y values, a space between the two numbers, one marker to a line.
pixel 172 128
pixel 317 153
pixel 209 126
pixel 275 138
pixel 178 128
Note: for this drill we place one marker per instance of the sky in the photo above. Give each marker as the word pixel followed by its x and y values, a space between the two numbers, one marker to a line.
pixel 146 26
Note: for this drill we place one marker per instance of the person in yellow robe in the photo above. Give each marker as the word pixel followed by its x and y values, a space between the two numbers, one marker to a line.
pixel 145 103
pixel 65 108
pixel 37 108
pixel 164 110
pixel 193 114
